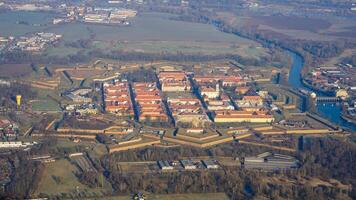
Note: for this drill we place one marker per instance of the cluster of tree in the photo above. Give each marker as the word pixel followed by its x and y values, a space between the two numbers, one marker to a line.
pixel 325 49
pixel 91 179
pixel 79 44
pixel 141 75
pixel 330 158
pixel 25 178
pixel 237 184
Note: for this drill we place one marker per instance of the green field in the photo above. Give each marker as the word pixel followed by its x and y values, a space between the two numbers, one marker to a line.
pixel 61 50
pixel 45 106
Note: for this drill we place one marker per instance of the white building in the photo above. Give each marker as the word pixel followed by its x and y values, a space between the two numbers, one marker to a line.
pixel 210 92
pixel 188 164
pixel 209 164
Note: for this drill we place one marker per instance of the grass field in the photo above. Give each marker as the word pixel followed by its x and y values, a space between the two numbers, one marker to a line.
pixel 188 47
pixel 45 105
pixel 67 180
pixel 15 70
pixel 61 50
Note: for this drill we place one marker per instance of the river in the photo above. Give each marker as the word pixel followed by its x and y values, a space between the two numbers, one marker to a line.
pixel 330 111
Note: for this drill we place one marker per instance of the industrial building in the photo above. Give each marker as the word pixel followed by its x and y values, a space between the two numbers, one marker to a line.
pixel 165 165
pixel 188 164
pixel 210 164
pixel 269 161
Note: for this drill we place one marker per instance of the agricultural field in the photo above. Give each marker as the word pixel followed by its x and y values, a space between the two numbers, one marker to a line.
pixel 298 23
pixel 15 70
pixel 325 29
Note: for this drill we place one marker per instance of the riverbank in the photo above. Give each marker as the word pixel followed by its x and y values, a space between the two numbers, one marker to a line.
pixel 329 111
pixel 348 119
